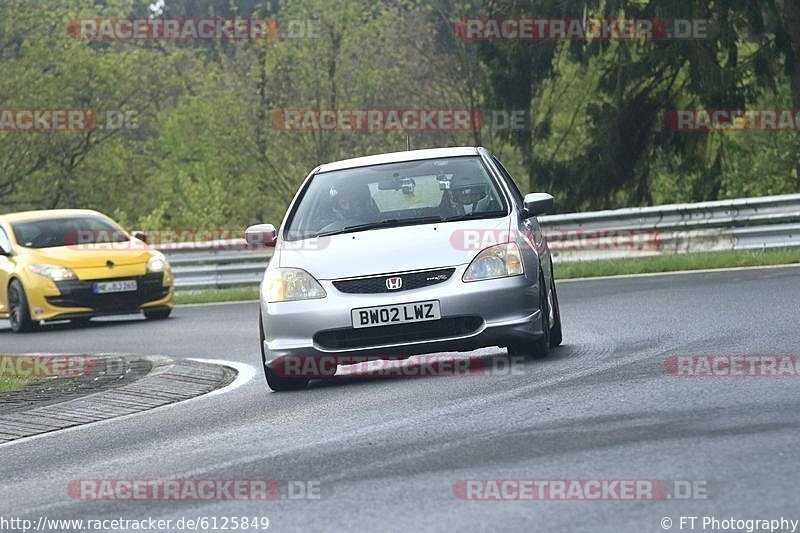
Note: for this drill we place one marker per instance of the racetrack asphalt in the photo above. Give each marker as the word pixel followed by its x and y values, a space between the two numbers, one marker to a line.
pixel 386 453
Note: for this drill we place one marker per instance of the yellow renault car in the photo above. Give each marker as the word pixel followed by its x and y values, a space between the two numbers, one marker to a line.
pixel 76 264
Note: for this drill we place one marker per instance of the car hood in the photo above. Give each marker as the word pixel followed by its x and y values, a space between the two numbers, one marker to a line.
pixel 385 250
pixel 75 257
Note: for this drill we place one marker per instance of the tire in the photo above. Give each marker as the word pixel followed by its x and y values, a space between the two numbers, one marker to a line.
pixel 274 381
pixel 280 384
pixel 555 332
pixel 19 314
pixel 157 314
pixel 539 347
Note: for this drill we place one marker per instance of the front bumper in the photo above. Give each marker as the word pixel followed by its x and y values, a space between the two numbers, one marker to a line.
pixel 495 312
pixel 76 298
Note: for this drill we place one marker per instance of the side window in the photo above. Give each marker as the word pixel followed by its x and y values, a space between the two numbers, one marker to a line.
pixel 518 197
pixel 5 243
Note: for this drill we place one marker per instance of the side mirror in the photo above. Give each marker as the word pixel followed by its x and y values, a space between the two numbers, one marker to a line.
pixel 261 235
pixel 4 252
pixel 538 203
pixel 141 236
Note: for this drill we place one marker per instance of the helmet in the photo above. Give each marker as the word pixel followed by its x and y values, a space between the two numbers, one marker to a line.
pixel 468 189
pixel 350 198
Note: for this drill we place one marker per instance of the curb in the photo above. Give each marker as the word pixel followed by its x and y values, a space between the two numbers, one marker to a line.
pixel 169 381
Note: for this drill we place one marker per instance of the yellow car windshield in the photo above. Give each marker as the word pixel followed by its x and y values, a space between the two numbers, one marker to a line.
pixel 65 231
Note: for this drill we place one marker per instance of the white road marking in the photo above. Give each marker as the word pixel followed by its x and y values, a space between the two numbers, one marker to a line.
pixel 245 374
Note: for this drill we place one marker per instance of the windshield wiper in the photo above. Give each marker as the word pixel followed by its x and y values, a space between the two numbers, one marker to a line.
pixel 392 222
pixel 479 214
pixel 387 223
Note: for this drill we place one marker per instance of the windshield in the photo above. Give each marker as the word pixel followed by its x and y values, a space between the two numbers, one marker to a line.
pixel 397 194
pixel 66 231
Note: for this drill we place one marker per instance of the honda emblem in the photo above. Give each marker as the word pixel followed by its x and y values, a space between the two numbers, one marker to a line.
pixel 394 284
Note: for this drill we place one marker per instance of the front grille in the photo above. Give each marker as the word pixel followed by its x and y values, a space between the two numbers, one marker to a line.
pixel 377 284
pixel 398 333
pixel 79 293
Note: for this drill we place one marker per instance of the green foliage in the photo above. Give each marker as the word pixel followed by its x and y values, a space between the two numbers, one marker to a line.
pixel 206 153
pixel 233 294
pixel 12 383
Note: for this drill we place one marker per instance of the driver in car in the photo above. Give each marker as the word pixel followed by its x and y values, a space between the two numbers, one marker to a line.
pixel 352 202
pixel 470 191
pixel 348 204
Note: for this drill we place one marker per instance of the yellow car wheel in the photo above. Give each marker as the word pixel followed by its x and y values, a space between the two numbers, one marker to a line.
pixel 157 314
pixel 18 312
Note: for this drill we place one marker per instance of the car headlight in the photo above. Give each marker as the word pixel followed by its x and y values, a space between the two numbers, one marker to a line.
pixel 498 261
pixel 157 263
pixel 287 284
pixel 54 272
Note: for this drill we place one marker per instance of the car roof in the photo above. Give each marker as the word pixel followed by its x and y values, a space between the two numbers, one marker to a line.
pixel 399 157
pixel 45 214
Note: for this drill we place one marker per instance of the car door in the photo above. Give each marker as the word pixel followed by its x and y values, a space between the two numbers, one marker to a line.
pixel 6 267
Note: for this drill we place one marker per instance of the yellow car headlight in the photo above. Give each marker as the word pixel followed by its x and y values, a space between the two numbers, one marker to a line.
pixel 157 263
pixel 54 272
pixel 288 284
pixel 498 261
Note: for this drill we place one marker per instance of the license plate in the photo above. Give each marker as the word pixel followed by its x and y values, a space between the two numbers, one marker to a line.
pixel 105 287
pixel 367 317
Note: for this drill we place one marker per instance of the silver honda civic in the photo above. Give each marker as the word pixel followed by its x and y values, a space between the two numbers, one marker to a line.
pixel 401 254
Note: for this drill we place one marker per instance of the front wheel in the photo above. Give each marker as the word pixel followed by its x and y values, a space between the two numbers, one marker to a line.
pixel 280 383
pixel 555 334
pixel 276 382
pixel 157 314
pixel 19 314
pixel 540 347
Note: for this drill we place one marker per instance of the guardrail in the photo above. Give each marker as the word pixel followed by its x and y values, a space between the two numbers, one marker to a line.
pixel 216 264
pixel 741 224
pixel 765 209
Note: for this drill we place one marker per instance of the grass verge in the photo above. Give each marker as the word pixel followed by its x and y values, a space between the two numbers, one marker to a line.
pixel 671 263
pixel 11 383
pixel 216 295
